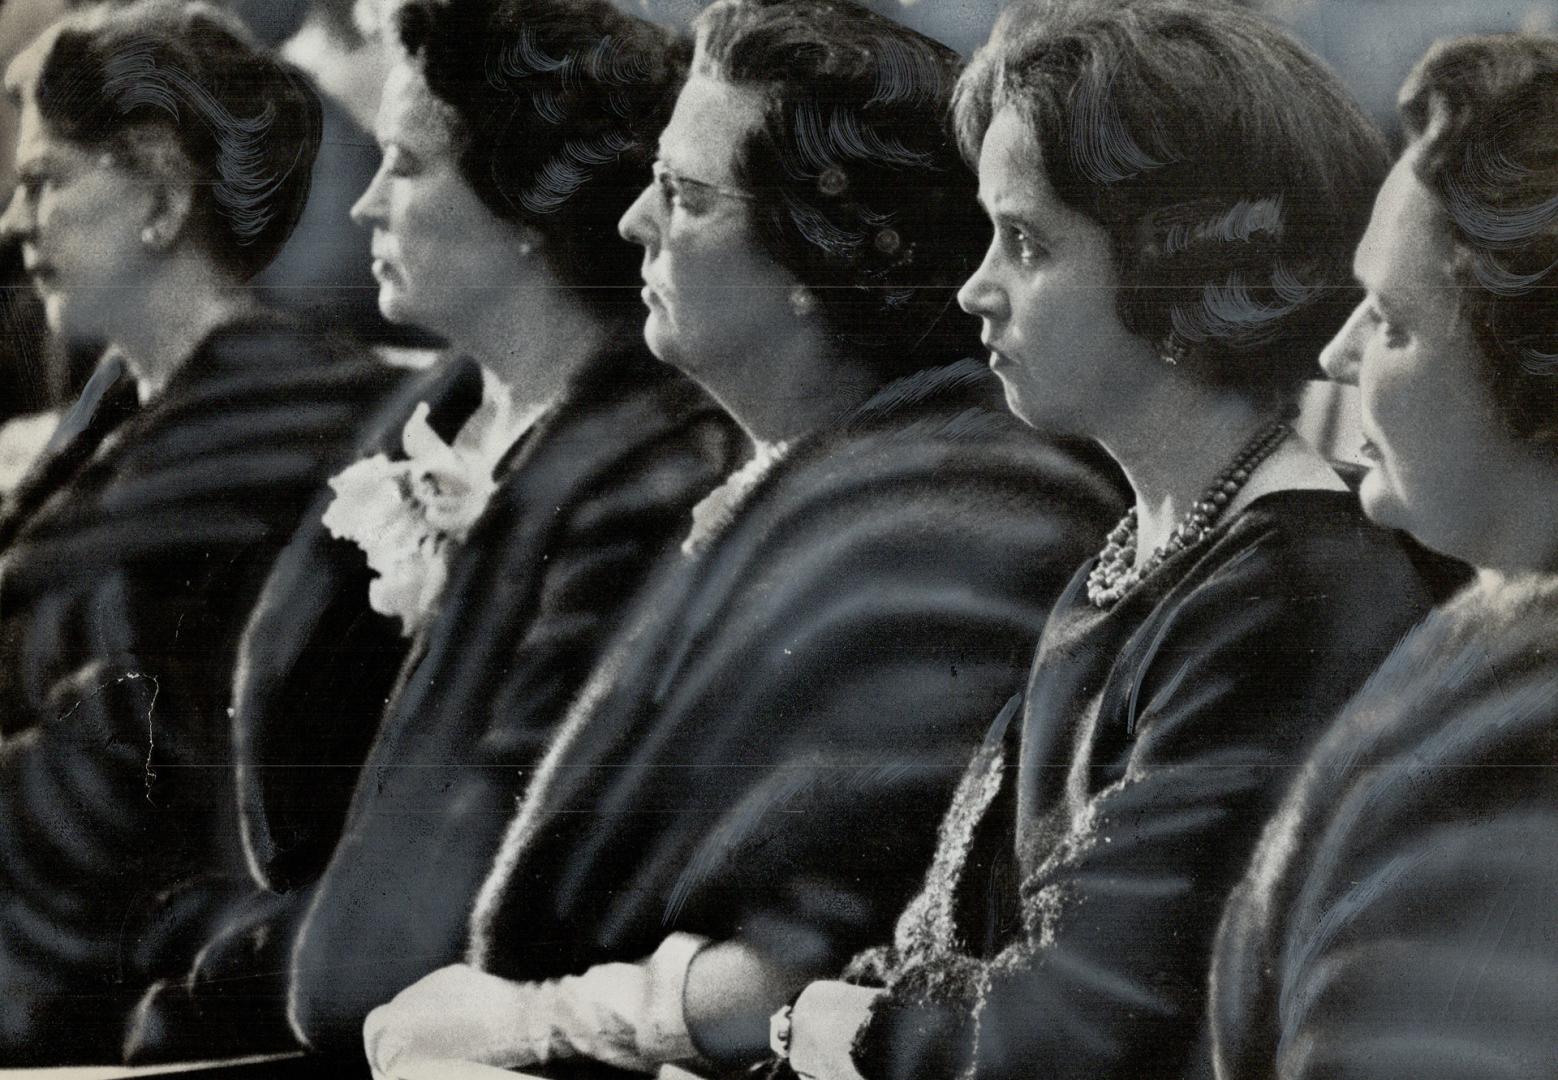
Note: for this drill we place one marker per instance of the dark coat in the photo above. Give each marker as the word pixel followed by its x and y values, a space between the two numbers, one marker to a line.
pixel 597 492
pixel 1066 923
pixel 765 752
pixel 131 559
pixel 1400 920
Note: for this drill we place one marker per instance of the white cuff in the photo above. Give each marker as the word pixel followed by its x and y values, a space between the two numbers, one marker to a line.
pixel 664 1035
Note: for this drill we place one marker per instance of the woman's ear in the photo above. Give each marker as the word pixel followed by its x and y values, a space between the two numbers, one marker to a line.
pixel 167 184
pixel 531 239
pixel 168 213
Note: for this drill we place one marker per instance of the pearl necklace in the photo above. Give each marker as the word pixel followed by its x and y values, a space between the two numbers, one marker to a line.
pixel 1115 574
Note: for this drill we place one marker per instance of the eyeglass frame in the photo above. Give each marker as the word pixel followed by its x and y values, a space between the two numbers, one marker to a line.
pixel 667 180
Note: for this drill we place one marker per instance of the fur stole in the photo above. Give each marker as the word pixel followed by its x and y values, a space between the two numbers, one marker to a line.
pixel 815 674
pixel 1397 919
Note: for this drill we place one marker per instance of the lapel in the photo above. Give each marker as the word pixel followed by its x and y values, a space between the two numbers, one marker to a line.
pixel 108 400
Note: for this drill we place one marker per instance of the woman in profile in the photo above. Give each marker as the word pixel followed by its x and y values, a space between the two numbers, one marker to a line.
pixel 449 592
pixel 747 786
pixel 1398 918
pixel 1175 188
pixel 162 161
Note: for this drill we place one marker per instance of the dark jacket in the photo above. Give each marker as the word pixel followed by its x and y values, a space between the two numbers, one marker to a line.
pixel 1400 919
pixel 1066 923
pixel 764 753
pixel 441 731
pixel 132 556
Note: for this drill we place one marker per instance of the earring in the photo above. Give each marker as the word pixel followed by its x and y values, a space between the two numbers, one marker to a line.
pixel 802 301
pixel 149 238
pixel 1172 351
pixel 526 248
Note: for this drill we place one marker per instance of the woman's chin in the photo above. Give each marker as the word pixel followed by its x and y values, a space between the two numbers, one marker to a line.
pixel 60 316
pixel 1034 413
pixel 54 312
pixel 397 308
pixel 1380 503
pixel 1014 401
pixel 390 305
pixel 661 341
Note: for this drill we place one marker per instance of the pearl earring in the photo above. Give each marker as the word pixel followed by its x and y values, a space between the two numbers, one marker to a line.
pixel 802 301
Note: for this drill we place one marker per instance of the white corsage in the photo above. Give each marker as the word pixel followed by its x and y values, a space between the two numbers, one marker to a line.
pixel 408 516
pixel 716 510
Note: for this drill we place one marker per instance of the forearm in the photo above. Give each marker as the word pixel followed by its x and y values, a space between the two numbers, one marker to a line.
pixel 732 989
pixel 626 1015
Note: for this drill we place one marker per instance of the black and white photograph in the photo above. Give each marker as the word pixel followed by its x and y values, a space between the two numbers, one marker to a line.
pixel 779 539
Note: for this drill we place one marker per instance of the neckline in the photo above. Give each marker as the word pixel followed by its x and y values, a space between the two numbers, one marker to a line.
pixel 1170 572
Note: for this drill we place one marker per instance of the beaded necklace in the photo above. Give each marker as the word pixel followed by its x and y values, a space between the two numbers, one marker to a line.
pixel 1115 575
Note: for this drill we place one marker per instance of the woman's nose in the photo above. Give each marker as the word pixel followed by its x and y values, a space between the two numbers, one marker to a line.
pixel 1340 359
pixel 981 296
pixel 637 225
pixel 369 209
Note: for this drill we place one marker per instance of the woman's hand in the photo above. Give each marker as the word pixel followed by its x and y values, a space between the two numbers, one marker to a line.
pixel 626 1015
pixel 823 1023
pixel 458 1013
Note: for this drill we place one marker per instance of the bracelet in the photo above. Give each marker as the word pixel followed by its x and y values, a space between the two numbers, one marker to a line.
pixel 779 1032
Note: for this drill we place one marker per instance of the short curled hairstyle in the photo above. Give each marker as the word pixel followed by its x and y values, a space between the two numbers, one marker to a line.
pixel 557 107
pixel 1229 169
pixel 1483 114
pixel 859 189
pixel 246 126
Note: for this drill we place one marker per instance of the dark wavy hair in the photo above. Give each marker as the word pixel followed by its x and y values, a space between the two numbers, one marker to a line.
pixel 860 190
pixel 1230 170
pixel 558 104
pixel 247 125
pixel 1484 115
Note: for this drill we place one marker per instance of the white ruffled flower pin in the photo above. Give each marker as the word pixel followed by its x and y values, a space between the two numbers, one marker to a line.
pixel 407 516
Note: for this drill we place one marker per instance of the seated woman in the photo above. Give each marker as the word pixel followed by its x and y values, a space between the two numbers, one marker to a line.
pixel 757 764
pixel 1174 187
pixel 449 592
pixel 163 160
pixel 1398 918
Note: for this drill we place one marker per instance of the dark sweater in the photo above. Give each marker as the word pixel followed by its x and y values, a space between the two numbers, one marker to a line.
pixel 1067 918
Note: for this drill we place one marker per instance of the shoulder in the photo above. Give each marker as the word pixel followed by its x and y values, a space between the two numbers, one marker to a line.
pixel 1311 564
pixel 1486 654
pixel 228 455
pixel 631 438
pixel 1405 886
pixel 265 381
pixel 937 445
pixel 641 403
pixel 1318 535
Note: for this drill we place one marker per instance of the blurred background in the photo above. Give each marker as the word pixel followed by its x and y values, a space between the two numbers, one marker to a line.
pixel 324 270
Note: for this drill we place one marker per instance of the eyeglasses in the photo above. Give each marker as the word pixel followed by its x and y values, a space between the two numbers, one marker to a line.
pixel 694 195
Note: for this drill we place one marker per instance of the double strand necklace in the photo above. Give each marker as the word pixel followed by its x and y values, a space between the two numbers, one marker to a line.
pixel 1116 573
